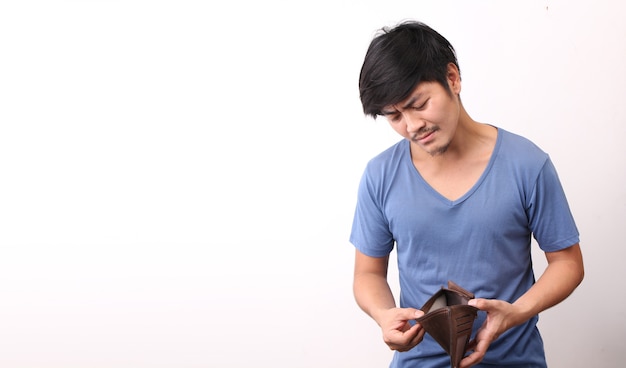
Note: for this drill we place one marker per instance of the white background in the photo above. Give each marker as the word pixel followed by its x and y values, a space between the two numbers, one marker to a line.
pixel 178 178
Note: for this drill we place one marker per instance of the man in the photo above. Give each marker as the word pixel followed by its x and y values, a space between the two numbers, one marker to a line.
pixel 459 200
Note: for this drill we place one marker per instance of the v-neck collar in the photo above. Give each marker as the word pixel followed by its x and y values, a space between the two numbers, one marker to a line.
pixel 474 187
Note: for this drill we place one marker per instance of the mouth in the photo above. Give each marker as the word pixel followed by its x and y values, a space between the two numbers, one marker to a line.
pixel 425 137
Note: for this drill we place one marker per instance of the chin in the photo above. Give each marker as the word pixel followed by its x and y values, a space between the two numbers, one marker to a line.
pixel 438 151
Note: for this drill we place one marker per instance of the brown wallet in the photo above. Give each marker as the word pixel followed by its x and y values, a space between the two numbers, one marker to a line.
pixel 449 320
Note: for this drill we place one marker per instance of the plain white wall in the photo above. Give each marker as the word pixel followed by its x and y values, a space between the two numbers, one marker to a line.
pixel 177 178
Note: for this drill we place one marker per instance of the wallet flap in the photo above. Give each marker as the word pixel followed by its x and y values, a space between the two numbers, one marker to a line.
pixel 457 288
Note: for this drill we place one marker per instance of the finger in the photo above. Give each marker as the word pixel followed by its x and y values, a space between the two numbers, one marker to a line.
pixel 410 313
pixel 479 349
pixel 479 303
pixel 419 313
pixel 405 340
pixel 470 345
pixel 470 360
pixel 417 337
pixel 420 336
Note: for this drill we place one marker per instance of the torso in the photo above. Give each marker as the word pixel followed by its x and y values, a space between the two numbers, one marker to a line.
pixel 481 240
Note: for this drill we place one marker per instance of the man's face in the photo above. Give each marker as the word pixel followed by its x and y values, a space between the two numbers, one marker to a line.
pixel 428 117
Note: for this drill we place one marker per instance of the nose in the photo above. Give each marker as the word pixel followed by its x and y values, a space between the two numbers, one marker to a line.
pixel 413 122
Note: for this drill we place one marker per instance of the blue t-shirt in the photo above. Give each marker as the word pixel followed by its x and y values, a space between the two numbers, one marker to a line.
pixel 481 241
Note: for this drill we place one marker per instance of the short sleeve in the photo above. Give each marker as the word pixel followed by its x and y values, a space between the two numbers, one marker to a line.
pixel 550 217
pixel 370 229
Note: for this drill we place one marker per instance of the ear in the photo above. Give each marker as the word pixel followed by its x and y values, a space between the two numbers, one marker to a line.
pixel 454 78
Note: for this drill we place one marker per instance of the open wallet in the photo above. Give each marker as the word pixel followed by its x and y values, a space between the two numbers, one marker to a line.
pixel 449 320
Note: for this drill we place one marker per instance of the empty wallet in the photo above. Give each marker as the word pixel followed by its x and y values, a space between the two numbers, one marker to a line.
pixel 449 320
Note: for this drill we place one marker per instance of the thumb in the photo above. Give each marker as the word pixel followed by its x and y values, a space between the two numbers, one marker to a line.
pixel 411 313
pixel 479 303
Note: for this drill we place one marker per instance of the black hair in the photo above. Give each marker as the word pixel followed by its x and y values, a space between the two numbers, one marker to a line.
pixel 398 59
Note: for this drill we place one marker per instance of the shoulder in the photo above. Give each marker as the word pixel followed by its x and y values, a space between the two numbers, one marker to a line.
pixel 519 161
pixel 388 158
pixel 520 150
pixel 517 143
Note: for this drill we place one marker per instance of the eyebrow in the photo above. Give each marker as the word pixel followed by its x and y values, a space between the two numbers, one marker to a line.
pixel 409 103
pixel 387 113
pixel 412 101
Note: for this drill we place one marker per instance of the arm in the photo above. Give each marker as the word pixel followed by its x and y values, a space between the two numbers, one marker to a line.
pixel 374 297
pixel 565 271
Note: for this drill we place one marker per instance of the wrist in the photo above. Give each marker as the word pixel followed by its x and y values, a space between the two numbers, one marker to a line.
pixel 523 311
pixel 378 314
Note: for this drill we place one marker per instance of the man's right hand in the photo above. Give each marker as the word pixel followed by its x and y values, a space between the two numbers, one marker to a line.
pixel 398 333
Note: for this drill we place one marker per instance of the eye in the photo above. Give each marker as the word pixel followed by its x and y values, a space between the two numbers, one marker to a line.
pixel 394 118
pixel 421 106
